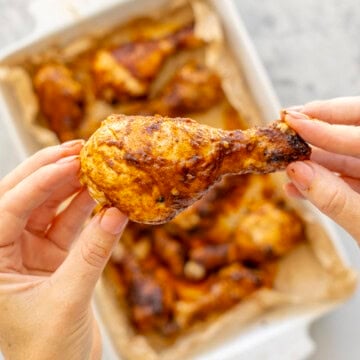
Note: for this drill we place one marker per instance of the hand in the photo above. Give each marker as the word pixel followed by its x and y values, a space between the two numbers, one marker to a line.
pixel 331 180
pixel 48 266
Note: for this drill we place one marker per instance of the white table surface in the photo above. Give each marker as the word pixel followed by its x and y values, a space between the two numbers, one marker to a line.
pixel 311 50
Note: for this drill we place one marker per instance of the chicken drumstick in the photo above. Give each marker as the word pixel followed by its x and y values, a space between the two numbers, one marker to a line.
pixel 153 167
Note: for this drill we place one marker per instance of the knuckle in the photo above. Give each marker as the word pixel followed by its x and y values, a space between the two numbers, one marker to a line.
pixel 51 204
pixel 356 131
pixel 334 203
pixel 3 208
pixel 347 162
pixel 45 177
pixel 2 188
pixel 43 155
pixel 316 108
pixel 5 200
pixel 8 209
pixel 94 252
pixel 69 231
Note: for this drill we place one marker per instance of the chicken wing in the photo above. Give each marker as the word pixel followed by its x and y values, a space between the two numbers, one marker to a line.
pixel 128 70
pixel 61 99
pixel 152 168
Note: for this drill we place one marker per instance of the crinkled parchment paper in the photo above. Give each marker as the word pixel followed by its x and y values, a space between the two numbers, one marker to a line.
pixel 312 275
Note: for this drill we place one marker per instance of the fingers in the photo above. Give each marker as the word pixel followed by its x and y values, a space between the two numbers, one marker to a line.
pixel 343 110
pixel 16 204
pixel 67 225
pixel 41 217
pixel 329 193
pixel 40 256
pixel 78 274
pixel 54 247
pixel 43 157
pixel 342 164
pixel 96 350
pixel 291 190
pixel 353 183
pixel 342 139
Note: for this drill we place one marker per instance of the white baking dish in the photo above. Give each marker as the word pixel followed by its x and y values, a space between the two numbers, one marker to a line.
pixel 265 338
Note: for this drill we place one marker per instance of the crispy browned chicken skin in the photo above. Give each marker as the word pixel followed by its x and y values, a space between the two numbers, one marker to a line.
pixel 193 88
pixel 152 168
pixel 241 221
pixel 198 264
pixel 160 301
pixel 61 99
pixel 127 71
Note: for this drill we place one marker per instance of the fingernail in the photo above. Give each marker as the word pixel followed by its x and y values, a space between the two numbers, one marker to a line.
pixel 72 143
pixel 67 159
pixel 295 114
pixel 297 108
pixel 301 174
pixel 113 221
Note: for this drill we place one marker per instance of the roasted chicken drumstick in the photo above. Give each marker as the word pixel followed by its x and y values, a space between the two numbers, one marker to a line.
pixel 193 88
pixel 61 99
pixel 153 167
pixel 126 72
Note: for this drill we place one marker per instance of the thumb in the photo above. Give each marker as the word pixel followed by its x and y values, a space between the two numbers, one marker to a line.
pixel 83 266
pixel 329 193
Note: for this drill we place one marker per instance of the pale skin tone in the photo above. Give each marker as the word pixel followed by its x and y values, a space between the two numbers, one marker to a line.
pixel 49 263
pixel 331 179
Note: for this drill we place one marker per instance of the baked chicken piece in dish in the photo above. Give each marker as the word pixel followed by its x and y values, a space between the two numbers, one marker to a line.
pixel 198 265
pixel 187 301
pixel 127 71
pixel 160 301
pixel 193 88
pixel 61 99
pixel 151 168
pixel 240 220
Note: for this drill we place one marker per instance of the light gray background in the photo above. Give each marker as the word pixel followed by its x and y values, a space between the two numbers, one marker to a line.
pixel 311 50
